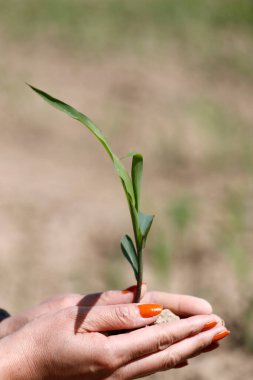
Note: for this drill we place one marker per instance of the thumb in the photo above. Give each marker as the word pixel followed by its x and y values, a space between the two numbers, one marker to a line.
pixel 114 317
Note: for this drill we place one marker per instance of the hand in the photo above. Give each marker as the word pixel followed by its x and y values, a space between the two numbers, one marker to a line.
pixel 72 344
pixel 62 301
pixel 180 304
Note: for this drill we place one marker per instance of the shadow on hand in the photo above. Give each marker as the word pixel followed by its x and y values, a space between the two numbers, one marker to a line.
pixel 88 301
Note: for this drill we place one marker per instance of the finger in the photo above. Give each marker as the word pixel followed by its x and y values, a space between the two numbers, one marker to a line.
pixel 112 297
pixel 213 346
pixel 172 356
pixel 62 301
pixel 156 338
pixel 182 305
pixel 112 317
pixel 109 297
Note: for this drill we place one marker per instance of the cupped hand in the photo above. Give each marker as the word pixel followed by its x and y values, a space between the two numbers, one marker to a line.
pixel 73 343
pixel 181 305
pixel 62 301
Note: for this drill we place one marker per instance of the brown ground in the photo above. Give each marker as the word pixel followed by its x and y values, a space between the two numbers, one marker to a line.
pixel 62 208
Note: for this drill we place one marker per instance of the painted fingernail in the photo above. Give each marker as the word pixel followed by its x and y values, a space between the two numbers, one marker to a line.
pixel 220 335
pixel 209 325
pixel 131 289
pixel 181 365
pixel 149 310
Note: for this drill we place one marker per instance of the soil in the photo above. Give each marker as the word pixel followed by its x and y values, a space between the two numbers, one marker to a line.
pixel 166 316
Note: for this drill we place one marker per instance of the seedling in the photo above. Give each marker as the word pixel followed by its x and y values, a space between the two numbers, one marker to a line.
pixel 132 187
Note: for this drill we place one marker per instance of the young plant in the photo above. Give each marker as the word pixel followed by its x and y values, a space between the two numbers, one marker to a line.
pixel 132 187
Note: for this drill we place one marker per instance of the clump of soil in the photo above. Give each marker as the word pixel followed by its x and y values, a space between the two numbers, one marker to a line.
pixel 166 316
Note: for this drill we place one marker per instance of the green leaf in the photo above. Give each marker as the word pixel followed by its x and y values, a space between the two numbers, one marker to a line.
pixel 136 227
pixel 126 180
pixel 128 155
pixel 130 254
pixel 145 222
pixel 72 112
pixel 137 167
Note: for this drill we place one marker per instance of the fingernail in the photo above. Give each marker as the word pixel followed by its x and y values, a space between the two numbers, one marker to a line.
pixel 181 365
pixel 131 289
pixel 220 335
pixel 149 310
pixel 209 325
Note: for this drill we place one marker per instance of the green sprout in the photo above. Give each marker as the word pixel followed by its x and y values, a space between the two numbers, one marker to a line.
pixel 132 187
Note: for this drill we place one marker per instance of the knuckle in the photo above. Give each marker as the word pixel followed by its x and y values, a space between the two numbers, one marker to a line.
pixel 107 297
pixel 118 375
pixel 70 313
pixel 123 315
pixel 173 359
pixel 67 300
pixel 164 341
pixel 106 357
pixel 193 329
pixel 202 342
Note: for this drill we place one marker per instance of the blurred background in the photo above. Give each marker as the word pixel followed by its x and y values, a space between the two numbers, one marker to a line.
pixel 171 79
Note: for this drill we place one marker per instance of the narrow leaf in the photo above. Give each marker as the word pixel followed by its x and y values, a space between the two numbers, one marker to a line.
pixel 128 155
pixel 126 180
pixel 72 112
pixel 75 114
pixel 129 252
pixel 136 226
pixel 145 222
pixel 137 167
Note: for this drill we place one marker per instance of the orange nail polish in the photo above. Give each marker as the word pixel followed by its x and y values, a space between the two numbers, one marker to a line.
pixel 149 310
pixel 209 325
pixel 131 289
pixel 220 335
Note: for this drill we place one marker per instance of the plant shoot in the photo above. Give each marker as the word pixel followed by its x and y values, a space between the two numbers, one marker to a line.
pixel 141 222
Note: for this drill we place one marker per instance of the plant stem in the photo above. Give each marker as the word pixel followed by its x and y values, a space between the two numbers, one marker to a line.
pixel 140 275
pixel 139 245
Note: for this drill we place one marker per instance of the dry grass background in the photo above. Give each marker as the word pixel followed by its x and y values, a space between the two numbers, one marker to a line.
pixel 173 80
